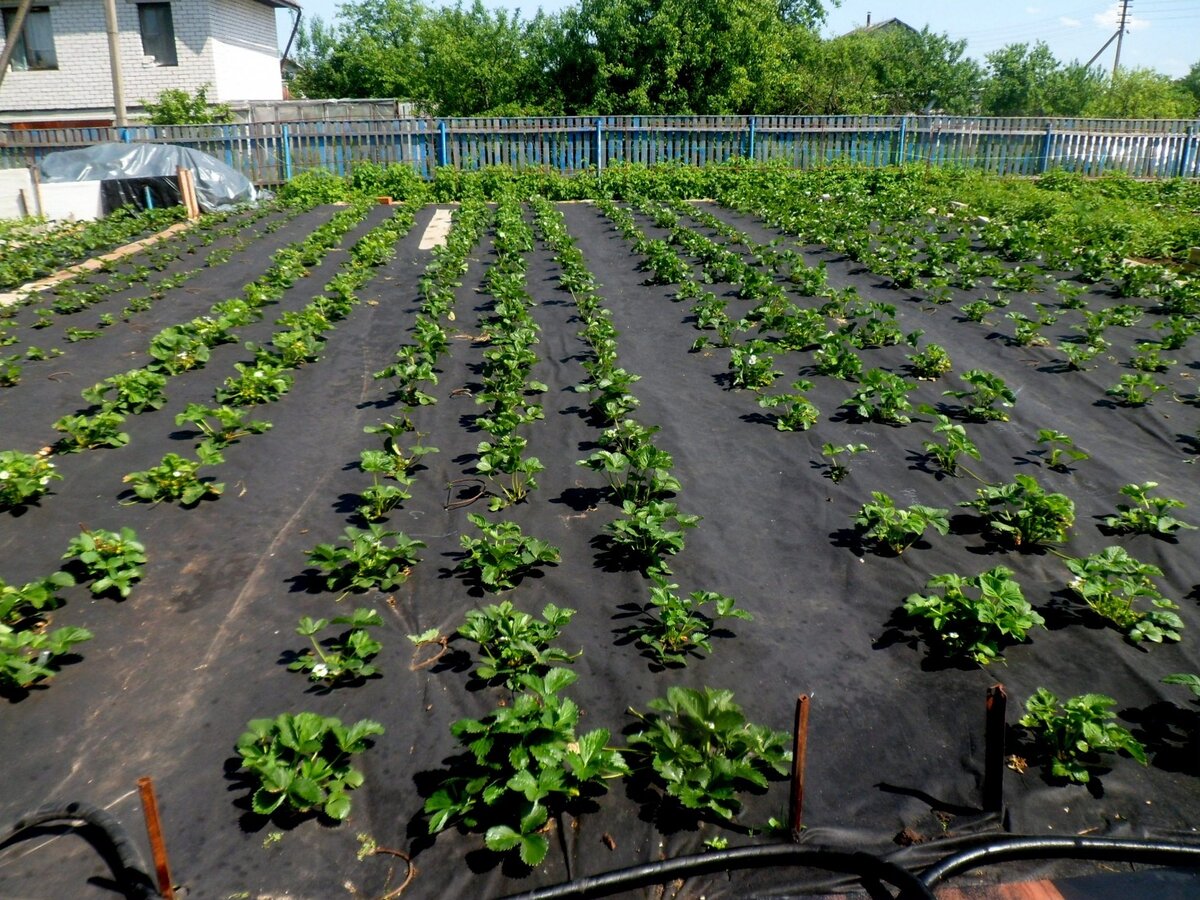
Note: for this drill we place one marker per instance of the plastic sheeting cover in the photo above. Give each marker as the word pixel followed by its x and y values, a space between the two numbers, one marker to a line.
pixel 217 185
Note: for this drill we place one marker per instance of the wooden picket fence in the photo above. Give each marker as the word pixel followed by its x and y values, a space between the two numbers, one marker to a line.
pixel 270 153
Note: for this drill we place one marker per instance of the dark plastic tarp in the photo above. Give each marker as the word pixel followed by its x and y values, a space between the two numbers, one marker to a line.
pixel 217 185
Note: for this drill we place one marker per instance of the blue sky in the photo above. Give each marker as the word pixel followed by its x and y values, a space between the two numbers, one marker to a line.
pixel 1163 34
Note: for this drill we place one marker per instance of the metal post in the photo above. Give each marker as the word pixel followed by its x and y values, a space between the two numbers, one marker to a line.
pixel 124 133
pixel 287 153
pixel 443 156
pixel 902 150
pixel 1047 143
pixel 1185 155
pixel 599 147
pixel 154 831
pixel 753 128
pixel 799 755
pixel 993 749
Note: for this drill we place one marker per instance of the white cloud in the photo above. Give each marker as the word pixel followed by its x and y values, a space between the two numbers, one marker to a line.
pixel 1109 18
pixel 1068 22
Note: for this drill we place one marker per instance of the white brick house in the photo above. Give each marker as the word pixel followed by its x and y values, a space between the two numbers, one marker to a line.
pixel 60 69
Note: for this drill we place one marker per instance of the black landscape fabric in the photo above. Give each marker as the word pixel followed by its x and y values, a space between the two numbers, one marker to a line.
pixel 896 744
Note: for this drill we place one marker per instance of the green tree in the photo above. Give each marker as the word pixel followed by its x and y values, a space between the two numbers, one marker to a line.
pixel 1142 94
pixel 373 52
pixel 1191 81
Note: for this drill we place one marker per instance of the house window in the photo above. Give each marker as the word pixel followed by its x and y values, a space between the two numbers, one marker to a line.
pixel 158 33
pixel 34 47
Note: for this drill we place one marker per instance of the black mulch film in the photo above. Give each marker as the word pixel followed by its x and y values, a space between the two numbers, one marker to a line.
pixel 896 744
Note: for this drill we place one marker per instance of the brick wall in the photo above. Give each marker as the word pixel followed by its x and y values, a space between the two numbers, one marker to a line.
pixel 82 84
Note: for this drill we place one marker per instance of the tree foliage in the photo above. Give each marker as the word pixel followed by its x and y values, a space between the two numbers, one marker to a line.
pixel 176 106
pixel 700 57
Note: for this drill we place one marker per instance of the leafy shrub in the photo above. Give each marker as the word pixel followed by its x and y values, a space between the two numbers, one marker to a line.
pixel 503 553
pixel 314 187
pixel 895 528
pixel 113 560
pixel 513 643
pixel 367 560
pixel 1112 581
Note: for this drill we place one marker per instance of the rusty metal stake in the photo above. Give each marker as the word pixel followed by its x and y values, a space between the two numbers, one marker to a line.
pixel 154 831
pixel 799 752
pixel 993 751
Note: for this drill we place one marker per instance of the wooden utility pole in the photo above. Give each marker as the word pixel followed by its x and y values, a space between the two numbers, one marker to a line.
pixel 10 41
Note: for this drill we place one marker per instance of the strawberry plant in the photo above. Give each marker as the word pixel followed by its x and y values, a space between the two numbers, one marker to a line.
pixel 27 656
pixel 220 425
pixel 1024 513
pixel 751 366
pixel 837 359
pixel 175 478
pixel 503 554
pixel 973 617
pixel 90 432
pixel 975 310
pixel 883 397
pixel 836 471
pixel 636 469
pixel 1073 733
pixel 1062 449
pixel 133 392
pixel 704 752
pixel 24 477
pixel 1187 679
pixel 957 444
pixel 798 412
pixel 523 761
pixel 177 349
pixel 895 528
pixel 1112 581
pixel 644 535
pixel 507 470
pixel 303 761
pixel 1081 353
pixel 674 627
pixel 1149 515
pixel 344 658
pixel 1149 358
pixel 380 499
pixel 513 643
pixel 367 560
pixel 979 401
pixel 20 605
pixel 113 560
pixel 1135 390
pixel 668 268
pixel 255 383
pixel 931 363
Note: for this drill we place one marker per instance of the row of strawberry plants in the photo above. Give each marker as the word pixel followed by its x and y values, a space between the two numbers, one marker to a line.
pixel 71 300
pixel 304 760
pixel 45 253
pixel 26 476
pixel 175 349
pixel 956 623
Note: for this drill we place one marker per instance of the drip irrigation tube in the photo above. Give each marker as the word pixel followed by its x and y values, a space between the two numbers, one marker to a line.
pixel 864 865
pixel 128 869
pixel 1109 849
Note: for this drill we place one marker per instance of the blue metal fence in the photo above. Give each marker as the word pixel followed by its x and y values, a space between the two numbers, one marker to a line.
pixel 269 153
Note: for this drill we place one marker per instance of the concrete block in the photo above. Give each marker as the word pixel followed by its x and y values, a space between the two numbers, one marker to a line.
pixel 12 182
pixel 78 200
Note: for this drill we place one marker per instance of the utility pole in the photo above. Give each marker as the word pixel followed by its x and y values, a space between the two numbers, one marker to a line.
pixel 1121 23
pixel 114 63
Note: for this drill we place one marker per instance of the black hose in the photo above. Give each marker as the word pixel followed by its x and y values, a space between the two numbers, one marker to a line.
pixel 1110 849
pixel 126 861
pixel 864 865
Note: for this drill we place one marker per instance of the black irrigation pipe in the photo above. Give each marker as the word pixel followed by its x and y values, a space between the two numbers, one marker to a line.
pixel 126 861
pixel 864 865
pixel 871 868
pixel 1021 848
